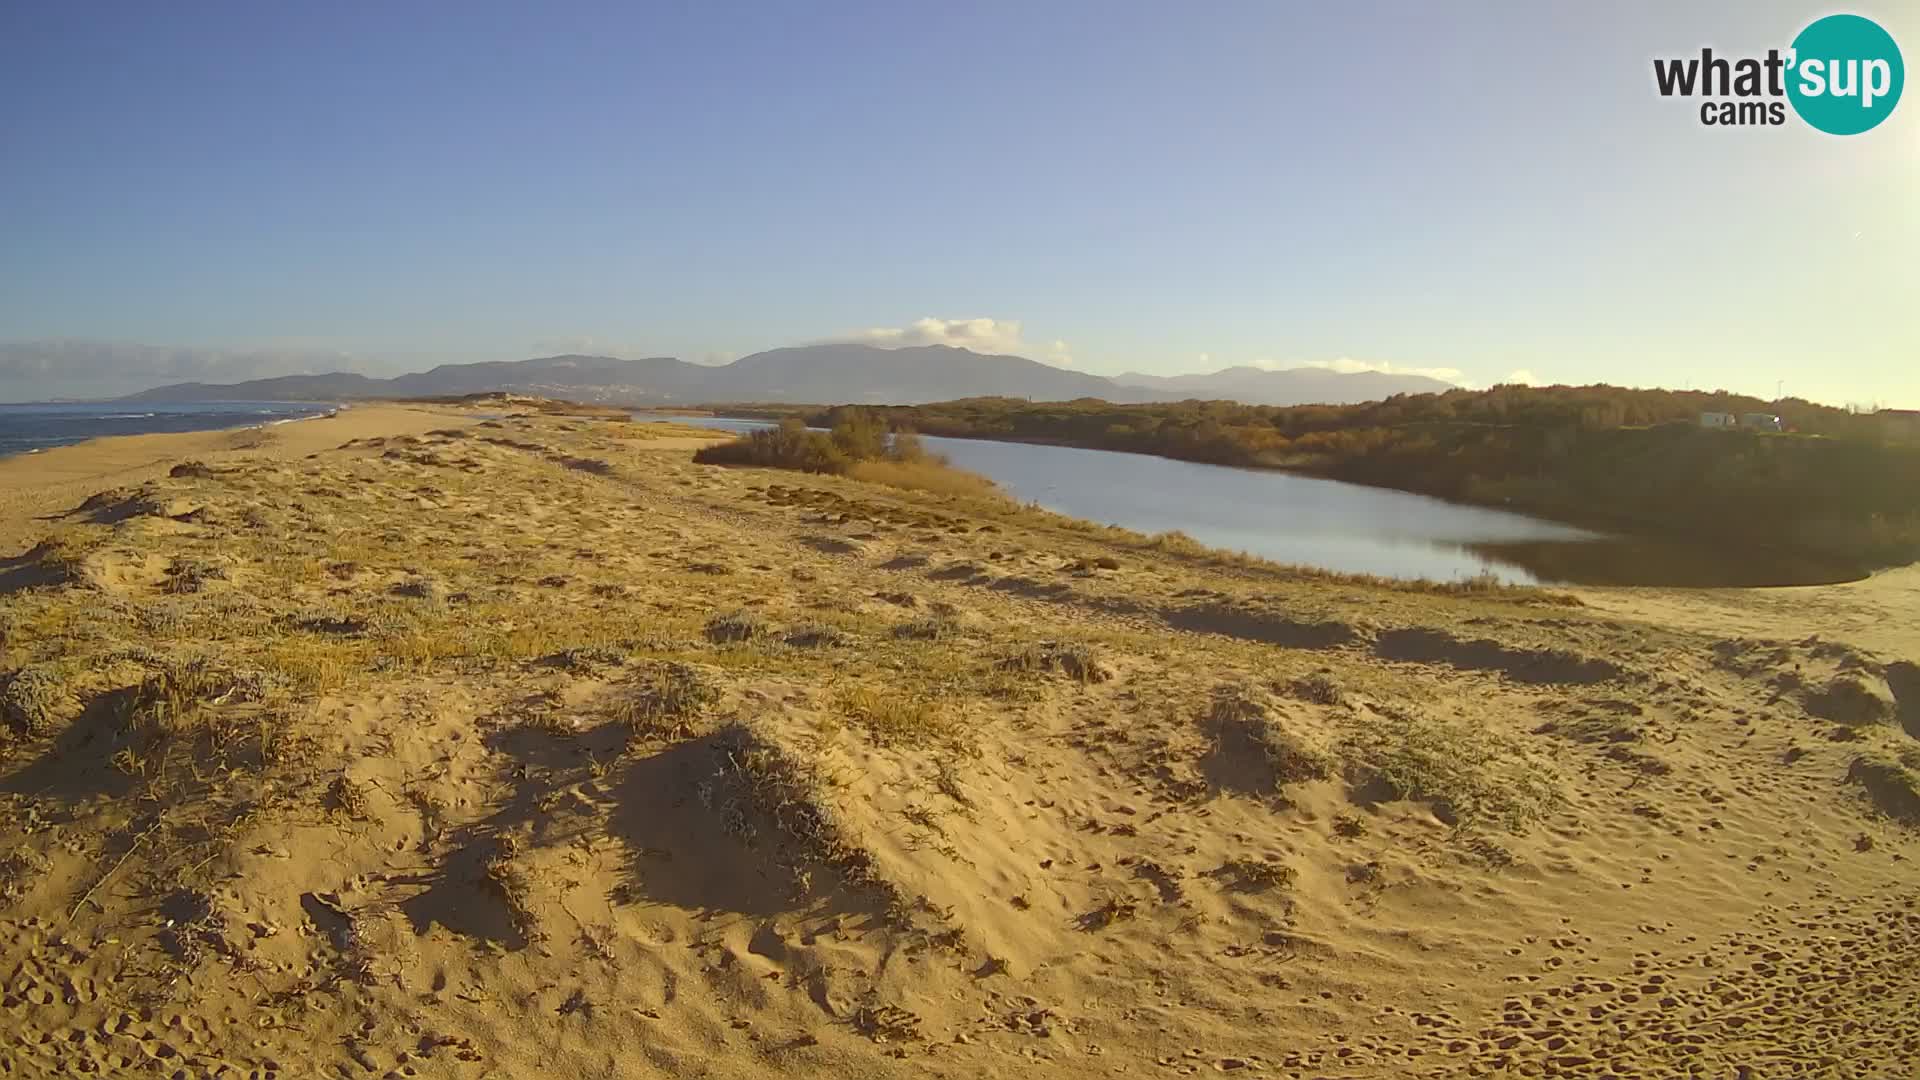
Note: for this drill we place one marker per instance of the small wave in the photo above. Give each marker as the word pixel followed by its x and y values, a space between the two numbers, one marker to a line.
pixel 297 419
pixel 125 416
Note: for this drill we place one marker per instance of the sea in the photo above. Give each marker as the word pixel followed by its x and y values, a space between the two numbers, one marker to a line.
pixel 32 427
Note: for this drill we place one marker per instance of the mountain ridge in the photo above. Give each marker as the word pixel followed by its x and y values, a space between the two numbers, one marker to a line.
pixel 1288 386
pixel 807 374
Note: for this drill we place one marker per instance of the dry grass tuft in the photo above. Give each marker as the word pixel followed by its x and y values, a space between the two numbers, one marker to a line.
pixel 931 476
pixel 36 700
pixel 1318 688
pixel 927 628
pixel 1115 909
pixel 886 1023
pixel 174 700
pixel 191 575
pixel 895 717
pixel 421 587
pixel 815 635
pixel 736 627
pixel 513 884
pixel 667 702
pixel 1471 776
pixel 347 796
pixel 1244 731
pixel 63 556
pixel 762 790
pixel 1892 782
pixel 1256 875
pixel 1076 662
pixel 20 870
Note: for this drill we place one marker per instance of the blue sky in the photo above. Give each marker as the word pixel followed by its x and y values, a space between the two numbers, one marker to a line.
pixel 1165 188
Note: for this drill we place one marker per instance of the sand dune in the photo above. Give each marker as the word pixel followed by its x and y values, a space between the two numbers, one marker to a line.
pixel 408 743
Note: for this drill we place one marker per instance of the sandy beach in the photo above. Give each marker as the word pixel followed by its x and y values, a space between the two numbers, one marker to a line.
pixel 413 741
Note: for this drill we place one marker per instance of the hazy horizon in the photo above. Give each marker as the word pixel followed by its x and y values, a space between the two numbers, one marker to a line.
pixel 1483 196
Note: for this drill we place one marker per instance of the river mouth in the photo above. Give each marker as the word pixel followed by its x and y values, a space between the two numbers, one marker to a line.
pixel 1351 528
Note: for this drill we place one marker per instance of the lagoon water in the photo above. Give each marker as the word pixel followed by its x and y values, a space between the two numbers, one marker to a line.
pixel 1303 520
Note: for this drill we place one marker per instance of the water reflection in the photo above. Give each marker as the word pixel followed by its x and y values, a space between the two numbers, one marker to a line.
pixel 1349 528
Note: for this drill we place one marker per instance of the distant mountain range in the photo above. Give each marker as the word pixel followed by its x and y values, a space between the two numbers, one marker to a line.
pixel 1291 386
pixel 813 374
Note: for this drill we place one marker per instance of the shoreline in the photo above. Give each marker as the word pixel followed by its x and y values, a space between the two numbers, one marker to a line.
pixel 56 478
pixel 243 422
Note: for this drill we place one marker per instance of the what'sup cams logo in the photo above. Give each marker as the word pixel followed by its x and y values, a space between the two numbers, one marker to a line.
pixel 1842 74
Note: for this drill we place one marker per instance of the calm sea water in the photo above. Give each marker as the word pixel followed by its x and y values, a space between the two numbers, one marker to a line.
pixel 26 428
pixel 1292 519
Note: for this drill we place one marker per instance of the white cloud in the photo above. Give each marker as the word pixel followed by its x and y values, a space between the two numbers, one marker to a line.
pixel 1348 366
pixel 982 335
pixel 1522 377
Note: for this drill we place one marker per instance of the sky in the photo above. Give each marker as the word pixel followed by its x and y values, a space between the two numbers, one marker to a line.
pixel 1490 191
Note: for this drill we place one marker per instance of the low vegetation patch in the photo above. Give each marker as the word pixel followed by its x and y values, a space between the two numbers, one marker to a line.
pixel 1252 750
pixel 927 628
pixel 1891 781
pixel 1076 662
pixel 35 700
pixel 857 444
pixel 815 635
pixel 1318 688
pixel 929 474
pixel 1469 775
pixel 893 717
pixel 1256 875
pixel 667 701
pixel 736 627
pixel 190 575
pixel 763 792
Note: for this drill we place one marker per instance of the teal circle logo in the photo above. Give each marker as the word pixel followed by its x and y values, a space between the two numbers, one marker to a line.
pixel 1845 74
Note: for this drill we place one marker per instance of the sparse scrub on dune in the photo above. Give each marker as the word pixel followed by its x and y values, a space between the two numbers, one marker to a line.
pixel 1317 687
pixel 590 658
pixel 187 574
pixel 348 797
pixel 736 627
pixel 501 870
pixel 1115 909
pixel 323 621
pixel 1470 776
pixel 814 635
pixel 172 700
pixel 1252 748
pixel 421 587
pixel 1255 875
pixel 894 716
pixel 316 665
pixel 64 556
pixel 35 700
pixel 927 628
pixel 1075 661
pixel 164 618
pixel 20 870
pixel 666 701
pixel 1891 781
pixel 760 787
